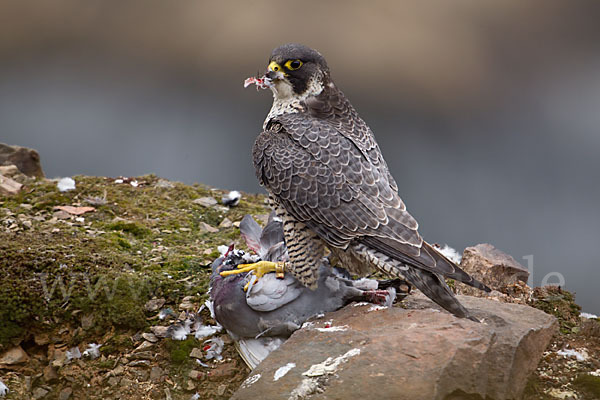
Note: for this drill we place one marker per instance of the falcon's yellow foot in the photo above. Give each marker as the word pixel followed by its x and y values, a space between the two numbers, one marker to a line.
pixel 259 269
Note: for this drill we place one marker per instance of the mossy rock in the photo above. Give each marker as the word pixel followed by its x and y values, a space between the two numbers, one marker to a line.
pixel 590 384
pixel 140 242
pixel 560 303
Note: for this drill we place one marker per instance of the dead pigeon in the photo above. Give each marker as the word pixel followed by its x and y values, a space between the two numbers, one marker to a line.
pixel 262 317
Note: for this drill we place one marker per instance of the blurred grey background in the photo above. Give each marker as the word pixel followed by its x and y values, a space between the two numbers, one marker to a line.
pixel 488 113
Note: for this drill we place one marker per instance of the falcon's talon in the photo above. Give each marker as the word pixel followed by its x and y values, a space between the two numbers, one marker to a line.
pixel 259 269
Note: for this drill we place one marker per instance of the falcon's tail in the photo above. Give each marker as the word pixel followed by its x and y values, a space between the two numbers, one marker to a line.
pixel 429 259
pixel 434 287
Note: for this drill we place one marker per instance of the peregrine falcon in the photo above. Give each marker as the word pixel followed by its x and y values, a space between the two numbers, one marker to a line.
pixel 328 182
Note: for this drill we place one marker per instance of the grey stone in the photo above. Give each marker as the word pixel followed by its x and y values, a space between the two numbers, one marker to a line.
pixel 226 223
pixel 65 394
pixel 150 337
pixel 127 383
pixel 50 375
pixel 26 160
pixel 87 321
pixel 156 374
pixel 159 331
pixel 154 304
pixel 39 393
pixel 113 380
pixel 144 346
pixel 205 201
pixel 142 355
pixel 416 353
pixel 139 363
pixel 204 227
pixel 197 353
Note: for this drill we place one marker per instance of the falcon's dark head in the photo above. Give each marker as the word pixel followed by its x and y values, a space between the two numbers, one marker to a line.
pixel 297 70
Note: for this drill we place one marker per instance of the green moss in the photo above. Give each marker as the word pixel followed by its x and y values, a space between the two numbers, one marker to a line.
pixel 136 229
pixel 110 264
pixel 560 303
pixel 589 384
pixel 179 350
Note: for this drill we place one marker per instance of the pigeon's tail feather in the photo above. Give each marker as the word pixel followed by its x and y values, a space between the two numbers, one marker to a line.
pixel 434 287
pixel 253 351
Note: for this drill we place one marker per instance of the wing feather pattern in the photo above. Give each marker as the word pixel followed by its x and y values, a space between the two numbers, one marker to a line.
pixel 326 169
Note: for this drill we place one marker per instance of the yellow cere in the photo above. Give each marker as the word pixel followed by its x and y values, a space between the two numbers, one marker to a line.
pixel 274 66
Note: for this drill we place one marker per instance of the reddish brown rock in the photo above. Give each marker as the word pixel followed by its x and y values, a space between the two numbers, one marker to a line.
pixel 493 267
pixel 419 353
pixel 26 160
pixel 13 356
pixel 222 371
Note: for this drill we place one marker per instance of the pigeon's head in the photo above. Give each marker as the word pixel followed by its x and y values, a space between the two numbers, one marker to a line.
pixel 295 70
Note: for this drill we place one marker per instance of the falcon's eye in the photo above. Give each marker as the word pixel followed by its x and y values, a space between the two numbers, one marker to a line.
pixel 293 65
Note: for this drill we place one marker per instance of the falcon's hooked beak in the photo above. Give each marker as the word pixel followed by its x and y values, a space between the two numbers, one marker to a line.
pixel 275 72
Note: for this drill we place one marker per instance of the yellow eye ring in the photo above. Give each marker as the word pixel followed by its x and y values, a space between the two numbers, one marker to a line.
pixel 293 65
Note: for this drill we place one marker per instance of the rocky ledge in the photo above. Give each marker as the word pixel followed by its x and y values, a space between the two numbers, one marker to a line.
pixel 97 263
pixel 415 352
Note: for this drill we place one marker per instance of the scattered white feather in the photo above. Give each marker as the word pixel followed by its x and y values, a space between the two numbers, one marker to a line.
pixel 209 305
pixel 588 315
pixel 595 373
pixel 134 183
pixel 282 371
pixel 216 347
pixel 580 355
pixel 66 184
pixel 330 365
pixel 361 303
pixel 73 353
pixel 222 250
pixel 250 258
pixel 3 389
pixel 203 331
pixel 92 351
pixel 307 325
pixel 195 397
pixel 376 307
pixel 180 331
pixel 202 364
pixel 450 253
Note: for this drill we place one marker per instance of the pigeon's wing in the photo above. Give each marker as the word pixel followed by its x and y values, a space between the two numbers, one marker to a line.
pixel 269 292
pixel 253 351
pixel 277 253
pixel 251 232
pixel 272 235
